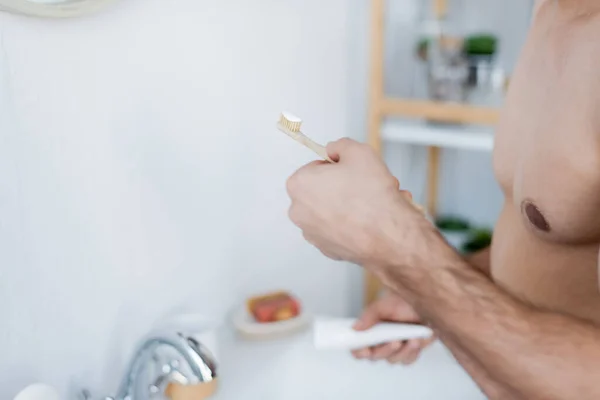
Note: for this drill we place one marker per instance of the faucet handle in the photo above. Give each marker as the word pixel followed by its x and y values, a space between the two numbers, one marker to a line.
pixel 86 395
pixel 80 393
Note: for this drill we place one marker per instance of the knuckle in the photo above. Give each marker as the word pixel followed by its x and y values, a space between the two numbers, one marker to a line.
pixel 292 184
pixel 394 360
pixel 347 144
pixel 359 354
pixel 392 183
pixel 308 238
pixel 405 360
pixel 293 215
pixel 364 147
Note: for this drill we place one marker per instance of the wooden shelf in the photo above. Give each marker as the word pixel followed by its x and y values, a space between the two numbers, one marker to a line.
pixel 444 136
pixel 383 130
pixel 443 112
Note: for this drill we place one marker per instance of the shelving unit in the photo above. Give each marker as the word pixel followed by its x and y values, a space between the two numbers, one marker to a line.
pixel 423 134
pixel 393 120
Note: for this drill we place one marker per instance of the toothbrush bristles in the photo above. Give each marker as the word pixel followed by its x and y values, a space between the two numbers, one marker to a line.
pixel 293 124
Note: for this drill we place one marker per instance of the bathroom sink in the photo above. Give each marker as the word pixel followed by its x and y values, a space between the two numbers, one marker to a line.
pixel 292 369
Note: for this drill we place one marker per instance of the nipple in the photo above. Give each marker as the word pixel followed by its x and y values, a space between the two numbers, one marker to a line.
pixel 535 216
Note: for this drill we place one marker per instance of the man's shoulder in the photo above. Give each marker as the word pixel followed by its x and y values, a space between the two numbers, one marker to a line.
pixel 539 5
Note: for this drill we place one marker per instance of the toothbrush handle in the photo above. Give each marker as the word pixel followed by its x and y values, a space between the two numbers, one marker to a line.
pixel 317 148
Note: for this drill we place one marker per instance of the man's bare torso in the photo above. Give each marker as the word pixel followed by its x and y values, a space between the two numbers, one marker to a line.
pixel 547 160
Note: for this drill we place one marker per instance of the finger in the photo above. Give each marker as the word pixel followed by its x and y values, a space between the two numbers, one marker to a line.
pixel 402 312
pixel 413 350
pixel 407 353
pixel 302 171
pixel 338 149
pixel 313 164
pixel 294 182
pixel 386 351
pixel 386 309
pixel 307 238
pixel 294 214
pixel 331 256
pixel 368 319
pixel 412 355
pixel 362 354
pixel 428 342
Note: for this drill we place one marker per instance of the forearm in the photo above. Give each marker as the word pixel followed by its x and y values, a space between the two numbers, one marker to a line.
pixel 493 390
pixel 533 354
pixel 481 261
pixel 490 387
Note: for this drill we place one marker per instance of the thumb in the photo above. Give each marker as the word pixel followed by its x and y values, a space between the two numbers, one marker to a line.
pixel 368 320
pixel 340 148
pixel 391 309
pixel 408 195
pixel 373 315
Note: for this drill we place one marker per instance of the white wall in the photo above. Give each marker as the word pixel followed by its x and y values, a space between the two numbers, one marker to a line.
pixel 140 171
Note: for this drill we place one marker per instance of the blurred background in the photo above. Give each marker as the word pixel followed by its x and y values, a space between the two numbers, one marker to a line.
pixel 141 172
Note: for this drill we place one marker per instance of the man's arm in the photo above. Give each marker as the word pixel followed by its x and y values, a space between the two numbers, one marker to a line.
pixel 478 372
pixel 526 352
pixel 481 260
pixel 537 5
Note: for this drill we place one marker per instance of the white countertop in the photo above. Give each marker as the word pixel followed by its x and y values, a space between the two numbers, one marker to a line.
pixel 291 369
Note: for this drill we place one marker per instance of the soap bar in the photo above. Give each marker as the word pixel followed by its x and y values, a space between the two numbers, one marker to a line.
pixel 274 307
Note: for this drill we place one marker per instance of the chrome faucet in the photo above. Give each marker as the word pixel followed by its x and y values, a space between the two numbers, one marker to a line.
pixel 199 364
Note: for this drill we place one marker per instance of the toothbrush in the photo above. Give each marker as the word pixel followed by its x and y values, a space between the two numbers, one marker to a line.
pixel 338 334
pixel 290 125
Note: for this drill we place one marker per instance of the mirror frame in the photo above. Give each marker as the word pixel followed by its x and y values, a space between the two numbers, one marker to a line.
pixel 68 9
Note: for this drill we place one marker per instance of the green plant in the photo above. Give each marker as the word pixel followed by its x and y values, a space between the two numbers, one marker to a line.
pixel 422 48
pixel 481 45
pixel 478 240
pixel 453 224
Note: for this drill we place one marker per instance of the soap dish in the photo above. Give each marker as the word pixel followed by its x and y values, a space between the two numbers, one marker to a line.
pixel 248 328
pixel 38 391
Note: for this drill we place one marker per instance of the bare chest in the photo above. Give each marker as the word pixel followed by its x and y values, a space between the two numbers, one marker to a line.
pixel 547 161
pixel 547 154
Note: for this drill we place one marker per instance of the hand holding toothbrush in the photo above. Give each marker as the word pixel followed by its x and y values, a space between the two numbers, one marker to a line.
pixel 351 209
pixel 291 126
pixel 391 308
